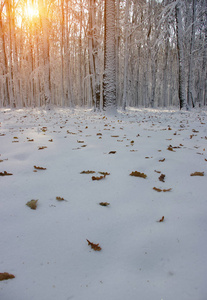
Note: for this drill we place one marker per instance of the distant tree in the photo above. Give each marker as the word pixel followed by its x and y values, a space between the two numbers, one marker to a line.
pixel 181 67
pixel 109 81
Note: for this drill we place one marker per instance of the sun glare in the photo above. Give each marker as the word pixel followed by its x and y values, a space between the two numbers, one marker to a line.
pixel 31 11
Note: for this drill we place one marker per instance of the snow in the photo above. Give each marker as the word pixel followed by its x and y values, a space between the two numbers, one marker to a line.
pixel 46 248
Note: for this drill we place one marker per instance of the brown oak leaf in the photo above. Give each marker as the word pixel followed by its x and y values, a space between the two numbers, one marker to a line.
pixel 39 168
pixel 6 276
pixel 95 247
pixel 98 177
pixel 104 203
pixel 162 178
pixel 5 173
pixel 197 174
pixel 138 174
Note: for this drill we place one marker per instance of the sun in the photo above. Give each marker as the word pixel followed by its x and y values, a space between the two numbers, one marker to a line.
pixel 31 11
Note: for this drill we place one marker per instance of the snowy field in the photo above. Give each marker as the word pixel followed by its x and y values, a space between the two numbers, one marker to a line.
pixel 141 258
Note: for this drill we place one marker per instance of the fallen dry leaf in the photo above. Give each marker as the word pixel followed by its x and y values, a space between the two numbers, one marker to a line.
pixel 88 172
pixel 162 178
pixel 32 204
pixel 197 174
pixel 95 247
pixel 104 203
pixel 157 171
pixel 162 160
pixel 164 190
pixel 162 219
pixel 98 177
pixel 42 147
pixel 170 148
pixel 112 152
pixel 39 168
pixel 167 190
pixel 6 276
pixel 5 173
pixel 156 189
pixel 138 174
pixel 104 173
pixel 60 199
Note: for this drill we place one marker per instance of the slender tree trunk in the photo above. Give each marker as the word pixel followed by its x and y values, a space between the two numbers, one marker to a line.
pixel 45 24
pixel 165 73
pixel 109 84
pixel 126 54
pixel 62 55
pixel 5 99
pixel 181 70
pixel 117 51
pixel 190 97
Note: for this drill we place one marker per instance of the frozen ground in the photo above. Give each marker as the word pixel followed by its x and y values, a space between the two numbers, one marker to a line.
pixel 141 258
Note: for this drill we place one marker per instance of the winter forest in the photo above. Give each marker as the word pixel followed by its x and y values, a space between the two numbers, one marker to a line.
pixel 103 149
pixel 62 52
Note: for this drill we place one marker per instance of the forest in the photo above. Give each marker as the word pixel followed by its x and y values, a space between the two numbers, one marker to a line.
pixel 54 52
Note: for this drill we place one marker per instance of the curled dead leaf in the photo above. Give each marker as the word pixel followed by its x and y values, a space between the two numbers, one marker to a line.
pixel 160 190
pixel 95 247
pixel 5 173
pixel 6 276
pixel 156 189
pixel 162 160
pixel 162 178
pixel 88 172
pixel 32 204
pixel 138 174
pixel 104 203
pixel 170 148
pixel 104 173
pixel 98 177
pixel 39 168
pixel 60 198
pixel 197 174
pixel 162 219
pixel 167 190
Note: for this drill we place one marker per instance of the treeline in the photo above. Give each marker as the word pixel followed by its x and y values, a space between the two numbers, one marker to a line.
pixel 52 53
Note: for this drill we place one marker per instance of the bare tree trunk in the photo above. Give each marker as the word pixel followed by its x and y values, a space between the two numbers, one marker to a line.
pixel 62 55
pixel 109 84
pixel 45 24
pixel 165 73
pixel 181 70
pixel 126 54
pixel 190 96
pixel 5 86
pixel 117 51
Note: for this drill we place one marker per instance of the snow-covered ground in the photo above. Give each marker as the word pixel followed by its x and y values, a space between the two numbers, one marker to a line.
pixel 141 258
